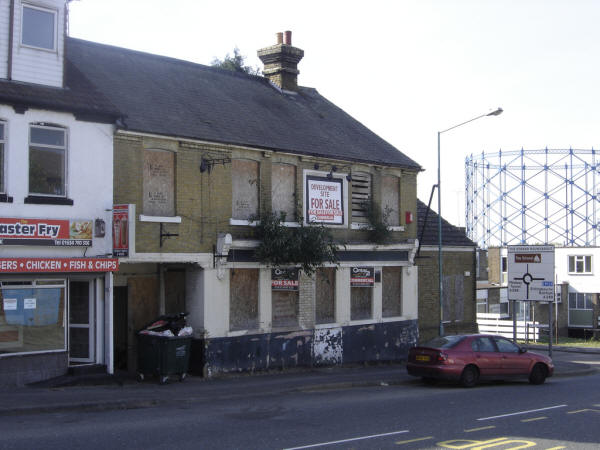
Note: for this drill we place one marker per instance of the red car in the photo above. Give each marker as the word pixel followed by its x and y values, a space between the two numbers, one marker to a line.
pixel 469 358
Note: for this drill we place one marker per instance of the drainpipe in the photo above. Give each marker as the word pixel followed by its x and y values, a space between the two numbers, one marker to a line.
pixel 10 40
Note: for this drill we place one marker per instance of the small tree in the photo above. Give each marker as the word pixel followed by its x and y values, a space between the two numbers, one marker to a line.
pixel 378 229
pixel 235 63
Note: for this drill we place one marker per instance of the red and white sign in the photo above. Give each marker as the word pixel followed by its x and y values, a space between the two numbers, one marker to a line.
pixel 121 230
pixel 324 200
pixel 45 265
pixel 53 232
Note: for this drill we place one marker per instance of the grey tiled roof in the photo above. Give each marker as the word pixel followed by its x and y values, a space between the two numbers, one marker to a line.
pixel 451 235
pixel 79 97
pixel 166 96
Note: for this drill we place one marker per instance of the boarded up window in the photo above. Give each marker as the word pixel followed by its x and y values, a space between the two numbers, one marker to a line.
pixel 390 202
pixel 245 181
pixel 361 193
pixel 283 190
pixel 392 292
pixel 453 299
pixel 285 308
pixel 243 302
pixel 159 183
pixel 361 303
pixel 325 293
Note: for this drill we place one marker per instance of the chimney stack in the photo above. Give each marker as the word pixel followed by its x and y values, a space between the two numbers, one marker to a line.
pixel 281 62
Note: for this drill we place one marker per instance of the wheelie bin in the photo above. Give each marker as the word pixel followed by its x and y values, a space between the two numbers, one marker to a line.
pixel 163 356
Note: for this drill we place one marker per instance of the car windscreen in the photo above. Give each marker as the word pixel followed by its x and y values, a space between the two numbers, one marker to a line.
pixel 444 342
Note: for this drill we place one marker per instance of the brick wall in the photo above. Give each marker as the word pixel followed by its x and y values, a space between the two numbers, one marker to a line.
pixel 455 264
pixel 204 199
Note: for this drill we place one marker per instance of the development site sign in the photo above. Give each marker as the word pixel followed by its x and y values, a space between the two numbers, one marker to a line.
pixel 531 273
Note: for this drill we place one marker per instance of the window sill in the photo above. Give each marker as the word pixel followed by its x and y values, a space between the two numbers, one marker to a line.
pixel 243 222
pixel 160 219
pixel 43 200
pixel 5 198
pixel 577 274
pixel 365 226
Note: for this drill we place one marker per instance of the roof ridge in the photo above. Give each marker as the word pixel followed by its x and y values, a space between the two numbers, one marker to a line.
pixel 167 58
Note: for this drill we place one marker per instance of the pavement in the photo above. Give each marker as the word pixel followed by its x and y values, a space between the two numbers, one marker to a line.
pixel 102 392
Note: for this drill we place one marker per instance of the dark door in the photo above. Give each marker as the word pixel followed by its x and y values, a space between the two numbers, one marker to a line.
pixel 120 327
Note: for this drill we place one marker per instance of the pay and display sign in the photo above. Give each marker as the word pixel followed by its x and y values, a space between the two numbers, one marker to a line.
pixel 531 273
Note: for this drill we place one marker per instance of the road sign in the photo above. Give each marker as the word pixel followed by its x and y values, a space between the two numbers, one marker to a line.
pixel 531 273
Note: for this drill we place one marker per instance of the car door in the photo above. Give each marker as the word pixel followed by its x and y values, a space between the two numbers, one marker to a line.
pixel 513 361
pixel 486 356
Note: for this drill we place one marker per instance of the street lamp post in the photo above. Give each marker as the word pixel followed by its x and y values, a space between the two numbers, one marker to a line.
pixel 496 112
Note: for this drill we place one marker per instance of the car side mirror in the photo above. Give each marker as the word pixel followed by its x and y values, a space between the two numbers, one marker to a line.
pixel 522 350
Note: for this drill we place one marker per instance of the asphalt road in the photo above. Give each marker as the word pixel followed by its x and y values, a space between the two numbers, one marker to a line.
pixel 563 413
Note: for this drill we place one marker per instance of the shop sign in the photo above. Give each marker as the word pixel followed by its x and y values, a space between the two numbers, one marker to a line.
pixel 284 279
pixel 51 232
pixel 45 265
pixel 362 276
pixel 121 230
pixel 324 200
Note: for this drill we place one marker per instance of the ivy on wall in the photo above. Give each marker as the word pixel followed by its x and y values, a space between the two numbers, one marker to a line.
pixel 309 246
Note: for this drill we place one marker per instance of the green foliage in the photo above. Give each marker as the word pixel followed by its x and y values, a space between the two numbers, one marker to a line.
pixel 307 245
pixel 378 230
pixel 235 63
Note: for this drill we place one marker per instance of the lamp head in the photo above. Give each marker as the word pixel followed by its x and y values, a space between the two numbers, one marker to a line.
pixel 496 112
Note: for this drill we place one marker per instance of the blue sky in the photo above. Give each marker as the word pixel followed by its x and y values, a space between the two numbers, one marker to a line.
pixel 405 69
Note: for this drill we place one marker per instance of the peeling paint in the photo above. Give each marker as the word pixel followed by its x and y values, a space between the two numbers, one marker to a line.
pixel 327 346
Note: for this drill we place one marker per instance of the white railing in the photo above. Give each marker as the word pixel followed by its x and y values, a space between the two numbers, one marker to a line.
pixel 492 323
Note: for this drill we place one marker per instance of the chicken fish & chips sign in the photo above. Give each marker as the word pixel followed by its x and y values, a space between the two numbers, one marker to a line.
pixel 325 200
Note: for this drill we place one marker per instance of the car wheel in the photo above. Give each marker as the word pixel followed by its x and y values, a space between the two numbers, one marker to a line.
pixel 469 377
pixel 538 374
pixel 429 380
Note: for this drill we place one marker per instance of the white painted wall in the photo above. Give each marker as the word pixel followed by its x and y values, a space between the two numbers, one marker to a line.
pixel 4 14
pixel 89 178
pixel 586 283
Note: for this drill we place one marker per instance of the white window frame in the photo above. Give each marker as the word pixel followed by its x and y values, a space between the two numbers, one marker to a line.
pixel 55 31
pixel 586 298
pixel 582 259
pixel 51 147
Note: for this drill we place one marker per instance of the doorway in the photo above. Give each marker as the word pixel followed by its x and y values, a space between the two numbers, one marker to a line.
pixel 81 322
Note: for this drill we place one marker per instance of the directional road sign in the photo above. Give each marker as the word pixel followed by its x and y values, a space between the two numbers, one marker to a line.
pixel 531 273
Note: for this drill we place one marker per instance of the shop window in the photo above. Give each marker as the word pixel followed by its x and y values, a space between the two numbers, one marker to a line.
pixel 159 183
pixel 243 302
pixel 285 297
pixel 32 317
pixel 245 189
pixel 581 309
pixel 47 160
pixel 325 295
pixel 283 191
pixel 390 200
pixel 361 194
pixel 392 291
pixel 580 264
pixel 39 27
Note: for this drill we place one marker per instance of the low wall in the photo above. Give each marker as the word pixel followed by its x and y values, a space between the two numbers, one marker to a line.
pixel 20 370
pixel 388 341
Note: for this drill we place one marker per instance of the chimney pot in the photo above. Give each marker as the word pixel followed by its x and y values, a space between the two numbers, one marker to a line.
pixel 280 38
pixel 287 39
pixel 281 62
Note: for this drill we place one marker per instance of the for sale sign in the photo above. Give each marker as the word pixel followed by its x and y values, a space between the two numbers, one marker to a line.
pixel 324 200
pixel 531 273
pixel 51 232
pixel 362 277
pixel 284 279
